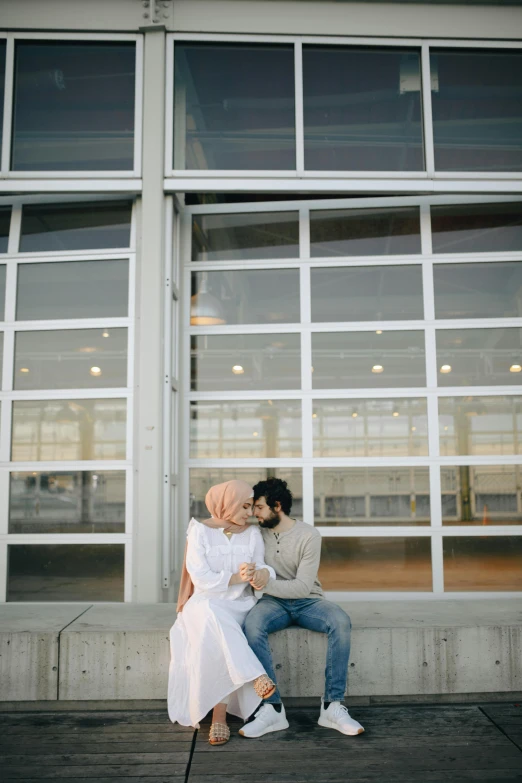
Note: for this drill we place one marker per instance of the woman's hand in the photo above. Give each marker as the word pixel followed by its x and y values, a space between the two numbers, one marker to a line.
pixel 247 571
pixel 260 579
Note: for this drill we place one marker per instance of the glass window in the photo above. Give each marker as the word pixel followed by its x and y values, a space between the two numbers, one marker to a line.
pixel 478 290
pixel 74 106
pixel 261 236
pixel 481 495
pixel 234 106
pixel 49 430
pixel 482 563
pixel 5 222
pixel 72 289
pixel 476 228
pixel 254 361
pixel 88 501
pixel 72 359
pixel 84 226
pixel 366 293
pixel 362 109
pixel 371 496
pixel 355 360
pixel 2 88
pixel 370 428
pixel 65 572
pixel 245 297
pixel 480 426
pixel 364 232
pixel 479 357
pixel 2 291
pixel 477 112
pixel 260 428
pixel 391 563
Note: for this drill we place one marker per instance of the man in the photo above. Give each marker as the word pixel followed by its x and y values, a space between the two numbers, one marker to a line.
pixel 293 549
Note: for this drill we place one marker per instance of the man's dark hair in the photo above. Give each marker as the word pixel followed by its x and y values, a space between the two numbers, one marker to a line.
pixel 274 490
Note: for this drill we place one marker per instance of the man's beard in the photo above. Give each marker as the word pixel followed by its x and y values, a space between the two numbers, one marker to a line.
pixel 271 522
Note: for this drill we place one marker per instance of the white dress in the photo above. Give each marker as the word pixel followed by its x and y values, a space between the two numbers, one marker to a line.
pixel 210 659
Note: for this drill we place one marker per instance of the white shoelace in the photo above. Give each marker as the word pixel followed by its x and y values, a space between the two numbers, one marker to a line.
pixel 341 711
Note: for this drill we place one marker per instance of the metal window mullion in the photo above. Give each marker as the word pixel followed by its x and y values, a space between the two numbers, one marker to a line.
pixel 306 359
pixel 437 563
pixel 433 425
pixel 138 106
pixel 3 572
pixel 429 151
pixel 4 502
pixel 15 228
pixel 299 109
pixel 8 103
pixel 128 570
pixel 431 357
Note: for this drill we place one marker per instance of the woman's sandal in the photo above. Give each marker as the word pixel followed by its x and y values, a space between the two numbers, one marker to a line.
pixel 264 686
pixel 219 734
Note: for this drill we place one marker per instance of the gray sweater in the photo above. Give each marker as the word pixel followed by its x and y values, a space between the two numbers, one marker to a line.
pixel 295 557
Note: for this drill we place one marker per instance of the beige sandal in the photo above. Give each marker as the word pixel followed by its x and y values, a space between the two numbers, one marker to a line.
pixel 219 734
pixel 262 683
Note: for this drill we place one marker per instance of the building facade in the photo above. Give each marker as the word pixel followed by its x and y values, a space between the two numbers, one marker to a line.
pixel 242 238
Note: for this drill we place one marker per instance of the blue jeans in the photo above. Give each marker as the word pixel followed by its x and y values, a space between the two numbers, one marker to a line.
pixel 273 614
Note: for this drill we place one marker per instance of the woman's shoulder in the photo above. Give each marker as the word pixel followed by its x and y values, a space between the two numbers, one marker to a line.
pixel 254 532
pixel 196 529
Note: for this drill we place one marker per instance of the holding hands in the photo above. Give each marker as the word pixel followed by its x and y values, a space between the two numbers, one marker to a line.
pixel 258 579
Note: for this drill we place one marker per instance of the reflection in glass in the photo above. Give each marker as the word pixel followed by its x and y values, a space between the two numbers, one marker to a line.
pixel 254 361
pixel 83 226
pixel 72 359
pixel 72 289
pixel 261 428
pixel 371 496
pixel 370 428
pixel 481 495
pixel 245 297
pixel 65 572
pixel 49 430
pixel 234 106
pixel 479 357
pixel 402 563
pixel 476 228
pixel 242 237
pixel 477 111
pixel 366 293
pixel 201 479
pixel 2 291
pixel 5 222
pixel 482 563
pixel 362 109
pixel 364 232
pixel 478 290
pixel 480 425
pixel 359 360
pixel 89 501
pixel 73 106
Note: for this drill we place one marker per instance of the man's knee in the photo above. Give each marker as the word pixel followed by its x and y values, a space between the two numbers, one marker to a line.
pixel 340 623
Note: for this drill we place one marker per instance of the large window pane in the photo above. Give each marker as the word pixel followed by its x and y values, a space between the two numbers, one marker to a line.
pixel 73 106
pixel 370 428
pixel 367 293
pixel 371 496
pixel 481 495
pixel 255 361
pixel 387 564
pixel 479 357
pixel 480 425
pixel 358 360
pixel 245 297
pixel 477 111
pixel 2 291
pixel 72 289
pixel 362 109
pixel 261 428
pixel 89 501
pixel 72 359
pixel 85 226
pixel 234 106
pixel 476 228
pixel 65 572
pixel 5 222
pixel 482 563
pixel 2 89
pixel 478 290
pixel 45 430
pixel 365 232
pixel 243 237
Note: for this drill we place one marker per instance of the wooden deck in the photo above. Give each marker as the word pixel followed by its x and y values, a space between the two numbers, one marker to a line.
pixel 414 744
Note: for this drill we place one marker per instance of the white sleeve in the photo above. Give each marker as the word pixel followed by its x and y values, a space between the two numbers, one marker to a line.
pixel 203 577
pixel 259 553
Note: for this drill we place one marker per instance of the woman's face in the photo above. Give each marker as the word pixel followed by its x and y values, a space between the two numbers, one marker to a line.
pixel 243 514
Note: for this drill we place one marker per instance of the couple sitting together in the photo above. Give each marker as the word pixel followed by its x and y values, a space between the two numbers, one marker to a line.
pixel 220 655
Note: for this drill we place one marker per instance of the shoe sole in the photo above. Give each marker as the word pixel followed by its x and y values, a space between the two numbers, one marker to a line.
pixel 329 725
pixel 266 731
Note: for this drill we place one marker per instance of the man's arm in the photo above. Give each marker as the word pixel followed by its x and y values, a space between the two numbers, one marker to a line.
pixel 301 586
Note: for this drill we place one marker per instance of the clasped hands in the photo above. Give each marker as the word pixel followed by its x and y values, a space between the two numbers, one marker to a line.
pixel 258 579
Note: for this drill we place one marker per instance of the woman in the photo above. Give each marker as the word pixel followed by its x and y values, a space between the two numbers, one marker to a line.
pixel 211 664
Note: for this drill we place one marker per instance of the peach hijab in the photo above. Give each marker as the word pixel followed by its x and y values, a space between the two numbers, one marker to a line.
pixel 223 501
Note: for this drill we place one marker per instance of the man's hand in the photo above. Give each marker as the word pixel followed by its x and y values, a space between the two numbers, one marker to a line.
pixel 260 579
pixel 247 571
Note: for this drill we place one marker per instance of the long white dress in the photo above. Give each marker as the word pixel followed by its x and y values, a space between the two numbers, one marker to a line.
pixel 210 659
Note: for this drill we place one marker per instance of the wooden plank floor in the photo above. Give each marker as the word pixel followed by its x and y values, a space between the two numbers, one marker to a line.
pixel 414 744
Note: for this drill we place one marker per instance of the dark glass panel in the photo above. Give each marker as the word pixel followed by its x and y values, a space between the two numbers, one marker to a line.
pixel 476 228
pixel 478 290
pixel 364 232
pixel 241 237
pixel 479 357
pixel 482 563
pixel 5 222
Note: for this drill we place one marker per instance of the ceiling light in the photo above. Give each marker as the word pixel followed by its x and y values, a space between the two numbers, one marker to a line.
pixel 445 368
pixel 205 309
pixel 378 331
pixel 106 333
pixel 87 349
pixel 24 369
pixel 314 415
pixel 354 415
pixel 377 368
pixel 95 371
pixel 515 368
pixel 413 429
pixel 237 369
pixel 395 413
pixel 255 434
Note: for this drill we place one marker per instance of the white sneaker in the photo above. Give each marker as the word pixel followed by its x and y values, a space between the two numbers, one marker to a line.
pixel 267 719
pixel 338 717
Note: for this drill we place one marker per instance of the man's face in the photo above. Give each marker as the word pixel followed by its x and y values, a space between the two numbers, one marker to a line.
pixel 264 514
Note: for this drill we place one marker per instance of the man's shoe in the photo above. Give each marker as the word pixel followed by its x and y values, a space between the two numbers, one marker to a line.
pixel 267 719
pixel 338 717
